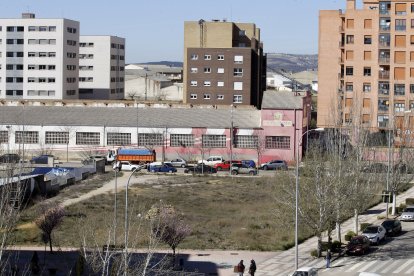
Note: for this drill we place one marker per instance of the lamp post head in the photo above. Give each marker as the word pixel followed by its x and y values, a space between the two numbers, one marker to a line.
pixel 319 129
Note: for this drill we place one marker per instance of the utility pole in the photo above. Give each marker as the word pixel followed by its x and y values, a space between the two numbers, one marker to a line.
pixel 145 92
pixel 231 138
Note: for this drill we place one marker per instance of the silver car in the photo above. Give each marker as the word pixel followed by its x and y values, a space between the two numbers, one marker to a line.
pixel 242 169
pixel 374 233
pixel 178 163
pixel 408 214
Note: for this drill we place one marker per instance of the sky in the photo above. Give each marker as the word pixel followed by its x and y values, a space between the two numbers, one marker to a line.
pixel 154 29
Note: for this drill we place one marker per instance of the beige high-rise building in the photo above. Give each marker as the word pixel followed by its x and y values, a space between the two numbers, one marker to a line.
pixel 366 65
pixel 223 63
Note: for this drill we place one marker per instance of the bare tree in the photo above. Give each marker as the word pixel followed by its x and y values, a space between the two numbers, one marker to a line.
pixel 50 217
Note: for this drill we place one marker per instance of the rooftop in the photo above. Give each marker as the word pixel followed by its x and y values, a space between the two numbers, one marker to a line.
pixel 282 100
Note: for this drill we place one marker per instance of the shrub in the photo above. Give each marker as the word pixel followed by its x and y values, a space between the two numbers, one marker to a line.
pixel 314 253
pixel 381 217
pixel 349 235
pixel 409 201
pixel 364 225
pixel 325 246
pixel 336 245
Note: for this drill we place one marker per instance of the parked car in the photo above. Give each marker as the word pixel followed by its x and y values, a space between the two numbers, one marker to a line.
pixel 242 169
pixel 212 160
pixel 305 271
pixel 125 166
pixel 274 165
pixel 249 163
pixel 200 168
pixel 41 159
pixel 375 233
pixel 358 245
pixel 178 162
pixel 10 158
pixel 166 167
pixel 408 214
pixel 225 165
pixel 392 226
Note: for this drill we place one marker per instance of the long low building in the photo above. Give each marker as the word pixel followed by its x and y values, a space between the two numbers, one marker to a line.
pixel 189 132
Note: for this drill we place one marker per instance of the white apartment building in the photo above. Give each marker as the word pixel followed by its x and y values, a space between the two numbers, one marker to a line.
pixel 101 67
pixel 39 58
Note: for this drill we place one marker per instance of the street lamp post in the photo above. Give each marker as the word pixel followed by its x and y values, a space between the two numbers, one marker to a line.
pixel 297 193
pixel 126 221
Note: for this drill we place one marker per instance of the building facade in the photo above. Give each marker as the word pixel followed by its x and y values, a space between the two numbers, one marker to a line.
pixel 366 65
pixel 38 58
pixel 101 67
pixel 224 63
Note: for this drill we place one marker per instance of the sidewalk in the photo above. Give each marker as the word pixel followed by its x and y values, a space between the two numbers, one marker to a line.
pixel 283 263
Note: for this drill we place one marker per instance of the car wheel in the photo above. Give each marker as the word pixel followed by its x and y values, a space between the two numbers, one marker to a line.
pixel 185 171
pixel 153 171
pixel 182 166
pixel 234 172
pixel 251 173
pixel 219 168
pixel 265 168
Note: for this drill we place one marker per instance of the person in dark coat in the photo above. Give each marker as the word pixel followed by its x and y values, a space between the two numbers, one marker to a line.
pixel 252 268
pixel 328 259
pixel 240 268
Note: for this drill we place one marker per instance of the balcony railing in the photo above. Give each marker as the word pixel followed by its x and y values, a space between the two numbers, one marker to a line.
pixel 383 92
pixel 384 44
pixel 384 60
pixel 384 74
pixel 385 28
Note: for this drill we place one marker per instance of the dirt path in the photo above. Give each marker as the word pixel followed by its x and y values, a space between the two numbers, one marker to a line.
pixel 109 187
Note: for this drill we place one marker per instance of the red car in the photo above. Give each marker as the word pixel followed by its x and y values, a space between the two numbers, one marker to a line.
pixel 225 165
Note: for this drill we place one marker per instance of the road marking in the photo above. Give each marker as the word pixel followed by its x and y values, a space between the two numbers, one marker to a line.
pixel 411 270
pixel 355 266
pixel 366 267
pixel 407 263
pixel 337 263
pixel 379 266
pixel 391 265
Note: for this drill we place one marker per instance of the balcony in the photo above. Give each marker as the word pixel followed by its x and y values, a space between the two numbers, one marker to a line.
pixel 385 92
pixel 384 75
pixel 341 44
pixel 384 60
pixel 384 44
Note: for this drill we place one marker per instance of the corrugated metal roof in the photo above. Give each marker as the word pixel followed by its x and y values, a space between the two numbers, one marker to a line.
pixel 282 100
pixel 127 116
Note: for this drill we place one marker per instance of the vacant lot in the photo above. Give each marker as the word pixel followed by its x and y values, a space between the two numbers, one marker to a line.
pixel 224 213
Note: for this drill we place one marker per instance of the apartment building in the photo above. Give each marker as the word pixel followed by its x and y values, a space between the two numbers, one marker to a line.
pixel 223 63
pixel 366 65
pixel 101 67
pixel 38 58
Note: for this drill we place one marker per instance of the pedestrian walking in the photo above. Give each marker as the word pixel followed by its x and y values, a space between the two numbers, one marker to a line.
pixel 252 268
pixel 240 268
pixel 328 258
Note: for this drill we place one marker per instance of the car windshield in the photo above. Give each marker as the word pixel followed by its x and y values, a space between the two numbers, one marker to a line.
pixel 301 273
pixel 371 230
pixel 388 223
pixel 356 241
pixel 411 210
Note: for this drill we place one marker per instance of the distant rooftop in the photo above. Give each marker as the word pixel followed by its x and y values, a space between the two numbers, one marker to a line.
pixel 282 100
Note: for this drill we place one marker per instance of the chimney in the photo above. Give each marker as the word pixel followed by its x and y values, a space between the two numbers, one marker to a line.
pixel 350 4
pixel 27 15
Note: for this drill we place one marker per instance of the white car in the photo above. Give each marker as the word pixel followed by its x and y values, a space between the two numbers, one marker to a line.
pixel 407 214
pixel 375 233
pixel 126 166
pixel 305 271
pixel 212 160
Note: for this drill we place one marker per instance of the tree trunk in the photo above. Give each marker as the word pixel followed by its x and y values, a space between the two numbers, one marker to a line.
pixel 394 204
pixel 50 243
pixel 319 248
pixel 356 221
pixel 338 231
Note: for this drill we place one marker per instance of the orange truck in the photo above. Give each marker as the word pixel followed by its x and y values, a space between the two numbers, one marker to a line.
pixel 138 156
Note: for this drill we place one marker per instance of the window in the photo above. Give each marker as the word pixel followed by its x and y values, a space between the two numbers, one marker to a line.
pixel 193 96
pixel 367 39
pixel 411 88
pixel 9 54
pixel 207 96
pixel 207 83
pixel 31 67
pixel 42 28
pixel 400 9
pixel 194 57
pixel 349 39
pixel 238 72
pixel 207 57
pixel 181 140
pixel 367 71
pixel 71 92
pixel 242 32
pixel 349 87
pixel 349 55
pixel 238 59
pixel 52 28
pixel 399 73
pixel 207 70
pixel 194 70
pixel 399 107
pixel 384 40
pixel 10 28
pixel 193 83
pixel 88 138
pixel 42 67
pixel 31 79
pixel 118 139
pixel 349 71
pixel 383 88
pixel 42 79
pixel 237 99
pixel 383 104
pixel 399 89
pixel 220 70
pixel 213 141
pixel 57 138
pixel 32 28
pixel 220 97
pixel 51 80
pixel 350 23
pixel 400 41
pixel 366 87
pixel 382 120
pixel 51 67
pixel 220 57
pixel 150 139
pixel 220 83
pixel 385 24
pixel 52 54
pixel 277 142
pixel 246 141
pixel 367 23
pixel 26 137
pixel 400 24
pixel 43 41
pixel 238 85
pixel 4 137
